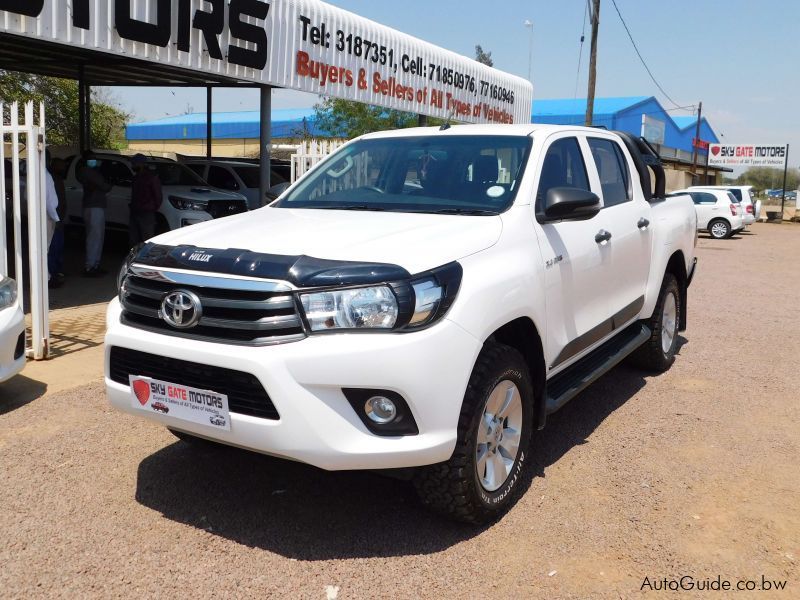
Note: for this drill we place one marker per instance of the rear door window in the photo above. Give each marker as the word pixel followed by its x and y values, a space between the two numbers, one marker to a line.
pixel 613 170
pixel 703 198
pixel 737 194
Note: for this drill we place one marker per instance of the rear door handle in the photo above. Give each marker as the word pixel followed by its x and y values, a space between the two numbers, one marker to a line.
pixel 643 223
pixel 602 236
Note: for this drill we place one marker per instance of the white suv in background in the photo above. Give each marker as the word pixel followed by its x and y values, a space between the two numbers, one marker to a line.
pixel 718 212
pixel 751 207
pixel 188 200
pixel 241 176
pixel 12 330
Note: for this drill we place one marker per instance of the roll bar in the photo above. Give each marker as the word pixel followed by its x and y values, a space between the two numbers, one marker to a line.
pixel 644 156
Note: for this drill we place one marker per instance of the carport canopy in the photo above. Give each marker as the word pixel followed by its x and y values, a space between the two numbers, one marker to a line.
pixel 305 45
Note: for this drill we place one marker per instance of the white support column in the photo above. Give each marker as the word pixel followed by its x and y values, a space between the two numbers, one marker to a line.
pixel 37 233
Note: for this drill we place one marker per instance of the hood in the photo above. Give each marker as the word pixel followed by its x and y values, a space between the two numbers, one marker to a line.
pixel 416 242
pixel 199 192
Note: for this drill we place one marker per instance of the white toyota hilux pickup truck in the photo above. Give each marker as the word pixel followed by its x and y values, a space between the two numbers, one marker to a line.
pixel 419 302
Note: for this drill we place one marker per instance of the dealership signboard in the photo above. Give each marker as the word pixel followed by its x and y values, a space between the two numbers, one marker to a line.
pixel 305 45
pixel 748 155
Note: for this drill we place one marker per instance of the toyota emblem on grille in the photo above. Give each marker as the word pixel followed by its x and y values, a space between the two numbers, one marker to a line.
pixel 181 309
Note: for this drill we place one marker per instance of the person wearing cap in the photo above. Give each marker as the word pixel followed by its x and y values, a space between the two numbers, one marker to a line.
pixel 146 198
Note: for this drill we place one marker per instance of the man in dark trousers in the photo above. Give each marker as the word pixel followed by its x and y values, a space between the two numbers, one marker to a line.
pixel 146 198
pixel 95 188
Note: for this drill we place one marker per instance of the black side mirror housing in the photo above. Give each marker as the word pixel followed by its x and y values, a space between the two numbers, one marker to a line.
pixel 570 203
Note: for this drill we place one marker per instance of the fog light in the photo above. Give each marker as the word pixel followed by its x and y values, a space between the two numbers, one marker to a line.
pixel 380 409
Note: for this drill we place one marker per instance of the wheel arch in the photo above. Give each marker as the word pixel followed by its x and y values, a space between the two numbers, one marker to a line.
pixel 523 335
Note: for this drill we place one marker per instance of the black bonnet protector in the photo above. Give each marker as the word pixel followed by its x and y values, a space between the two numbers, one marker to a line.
pixel 301 271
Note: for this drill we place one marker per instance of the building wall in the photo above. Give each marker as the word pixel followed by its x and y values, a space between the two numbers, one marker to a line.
pixel 232 148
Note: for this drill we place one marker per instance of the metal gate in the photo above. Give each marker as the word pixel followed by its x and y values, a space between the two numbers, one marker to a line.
pixel 22 195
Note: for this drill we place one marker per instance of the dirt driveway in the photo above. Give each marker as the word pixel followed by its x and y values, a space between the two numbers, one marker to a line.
pixel 693 473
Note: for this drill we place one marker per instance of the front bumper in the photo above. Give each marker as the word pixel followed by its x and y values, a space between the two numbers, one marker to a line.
pixel 429 369
pixel 12 326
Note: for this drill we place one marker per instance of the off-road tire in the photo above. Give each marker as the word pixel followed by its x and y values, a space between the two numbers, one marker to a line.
pixel 722 222
pixel 650 356
pixel 452 488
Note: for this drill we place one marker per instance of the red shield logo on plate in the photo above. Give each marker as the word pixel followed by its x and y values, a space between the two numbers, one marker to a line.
pixel 142 391
pixel 715 150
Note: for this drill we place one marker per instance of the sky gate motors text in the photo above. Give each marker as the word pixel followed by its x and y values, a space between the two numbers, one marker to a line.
pixel 210 20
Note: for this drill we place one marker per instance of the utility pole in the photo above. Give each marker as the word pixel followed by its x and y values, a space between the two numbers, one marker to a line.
pixel 592 62
pixel 696 142
pixel 785 171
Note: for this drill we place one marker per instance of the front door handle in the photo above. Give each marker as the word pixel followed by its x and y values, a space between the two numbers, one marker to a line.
pixel 602 236
pixel 643 223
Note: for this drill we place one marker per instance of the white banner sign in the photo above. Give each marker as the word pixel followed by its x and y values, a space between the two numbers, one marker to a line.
pixel 305 45
pixel 747 155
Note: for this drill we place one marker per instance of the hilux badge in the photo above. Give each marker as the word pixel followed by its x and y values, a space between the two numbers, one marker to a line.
pixel 181 309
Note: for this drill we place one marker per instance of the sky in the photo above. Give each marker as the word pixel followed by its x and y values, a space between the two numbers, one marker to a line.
pixel 739 57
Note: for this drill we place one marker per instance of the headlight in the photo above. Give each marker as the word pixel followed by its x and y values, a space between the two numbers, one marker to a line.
pixel 427 295
pixel 359 308
pixel 8 292
pixel 186 204
pixel 126 264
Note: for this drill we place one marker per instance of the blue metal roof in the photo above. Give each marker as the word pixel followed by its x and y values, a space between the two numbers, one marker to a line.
pixel 624 114
pixel 286 123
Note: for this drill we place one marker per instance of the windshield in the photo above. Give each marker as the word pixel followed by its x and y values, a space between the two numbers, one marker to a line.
pixel 437 174
pixel 175 174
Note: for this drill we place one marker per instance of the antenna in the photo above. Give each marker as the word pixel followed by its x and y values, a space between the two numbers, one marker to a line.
pixel 446 125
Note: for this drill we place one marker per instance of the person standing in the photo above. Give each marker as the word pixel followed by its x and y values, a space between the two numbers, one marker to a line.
pixel 95 188
pixel 146 198
pixel 55 255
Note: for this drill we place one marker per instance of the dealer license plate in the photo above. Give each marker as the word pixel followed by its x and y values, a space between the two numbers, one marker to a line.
pixel 203 407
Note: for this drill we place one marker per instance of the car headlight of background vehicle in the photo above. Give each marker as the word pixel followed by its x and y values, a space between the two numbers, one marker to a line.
pixel 8 293
pixel 401 306
pixel 187 204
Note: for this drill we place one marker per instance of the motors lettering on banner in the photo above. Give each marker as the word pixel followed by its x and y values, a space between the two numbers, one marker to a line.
pixel 210 20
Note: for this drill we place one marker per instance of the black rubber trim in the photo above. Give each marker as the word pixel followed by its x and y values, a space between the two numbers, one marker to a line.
pixel 403 424
pixel 692 269
pixel 301 271
pixel 19 350
pixel 600 331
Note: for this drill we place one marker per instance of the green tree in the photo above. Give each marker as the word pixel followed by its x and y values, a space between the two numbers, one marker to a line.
pixel 60 97
pixel 483 57
pixel 349 119
pixel 764 178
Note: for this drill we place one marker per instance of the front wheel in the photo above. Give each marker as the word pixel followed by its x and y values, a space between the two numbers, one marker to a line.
pixel 658 353
pixel 481 479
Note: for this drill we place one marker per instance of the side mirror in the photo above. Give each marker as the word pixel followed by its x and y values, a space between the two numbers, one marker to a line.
pixel 570 203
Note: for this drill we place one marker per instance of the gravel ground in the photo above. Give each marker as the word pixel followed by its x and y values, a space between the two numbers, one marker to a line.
pixel 694 472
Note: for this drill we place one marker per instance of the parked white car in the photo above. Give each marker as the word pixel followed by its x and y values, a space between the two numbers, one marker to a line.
pixel 421 300
pixel 239 176
pixel 188 199
pixel 743 194
pixel 718 212
pixel 12 330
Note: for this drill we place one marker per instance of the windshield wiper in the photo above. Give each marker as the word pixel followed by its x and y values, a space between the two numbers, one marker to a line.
pixel 465 211
pixel 350 207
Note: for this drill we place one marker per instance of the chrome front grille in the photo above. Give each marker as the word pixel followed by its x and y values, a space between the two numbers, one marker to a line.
pixel 234 311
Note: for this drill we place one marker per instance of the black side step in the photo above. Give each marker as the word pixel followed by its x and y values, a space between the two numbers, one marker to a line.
pixel 569 383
